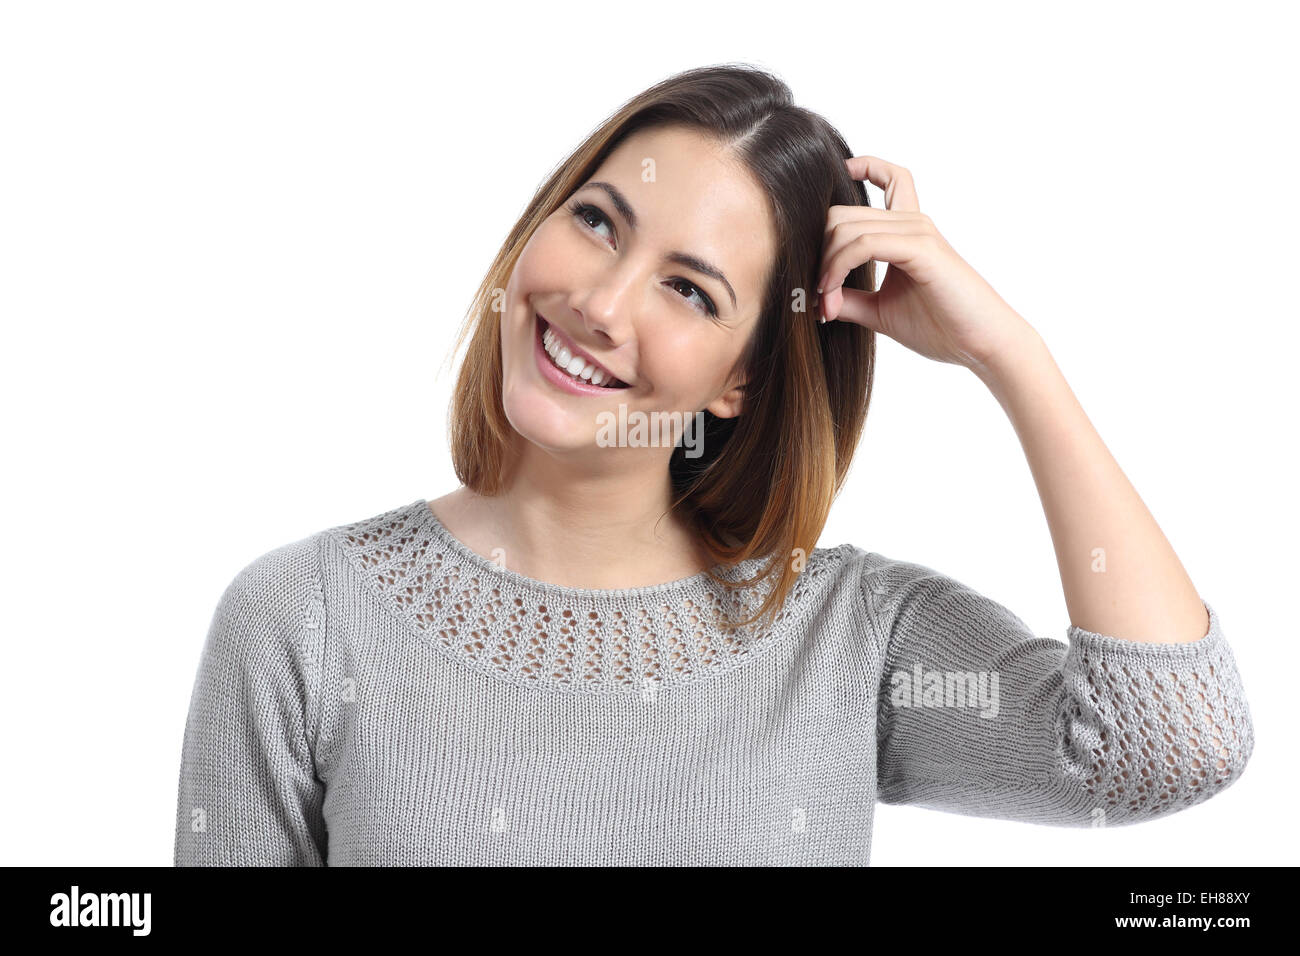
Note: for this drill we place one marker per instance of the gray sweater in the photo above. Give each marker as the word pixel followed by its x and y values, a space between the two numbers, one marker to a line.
pixel 378 693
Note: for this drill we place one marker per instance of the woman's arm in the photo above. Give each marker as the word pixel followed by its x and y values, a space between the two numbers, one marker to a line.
pixel 1144 712
pixel 249 794
pixel 1120 574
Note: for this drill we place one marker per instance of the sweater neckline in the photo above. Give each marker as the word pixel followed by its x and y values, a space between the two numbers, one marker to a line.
pixel 694 584
pixel 529 632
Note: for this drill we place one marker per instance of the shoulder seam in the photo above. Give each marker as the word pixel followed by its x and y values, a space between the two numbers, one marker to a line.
pixel 321 619
pixel 867 596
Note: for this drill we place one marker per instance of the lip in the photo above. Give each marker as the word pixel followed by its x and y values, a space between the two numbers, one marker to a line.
pixel 564 382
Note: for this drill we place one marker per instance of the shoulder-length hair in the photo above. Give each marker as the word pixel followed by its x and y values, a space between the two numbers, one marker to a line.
pixel 764 483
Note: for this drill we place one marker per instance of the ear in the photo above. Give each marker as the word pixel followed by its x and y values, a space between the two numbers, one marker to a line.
pixel 729 403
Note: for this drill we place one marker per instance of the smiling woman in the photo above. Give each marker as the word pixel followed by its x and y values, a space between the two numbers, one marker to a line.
pixel 674 252
pixel 529 671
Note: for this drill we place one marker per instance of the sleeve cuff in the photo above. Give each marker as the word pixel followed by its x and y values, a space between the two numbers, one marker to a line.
pixel 1212 641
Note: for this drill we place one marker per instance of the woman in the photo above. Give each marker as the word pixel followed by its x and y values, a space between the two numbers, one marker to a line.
pixel 616 644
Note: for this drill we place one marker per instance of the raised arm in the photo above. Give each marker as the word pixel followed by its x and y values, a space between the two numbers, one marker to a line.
pixel 1145 708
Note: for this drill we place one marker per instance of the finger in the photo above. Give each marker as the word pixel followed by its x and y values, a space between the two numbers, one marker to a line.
pixel 896 181
pixel 894 248
pixel 851 305
pixel 837 215
pixel 848 231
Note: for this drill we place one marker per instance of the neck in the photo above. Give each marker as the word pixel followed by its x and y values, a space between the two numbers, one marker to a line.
pixel 561 522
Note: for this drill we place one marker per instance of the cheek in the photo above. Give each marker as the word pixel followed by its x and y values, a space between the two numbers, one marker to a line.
pixel 548 262
pixel 687 365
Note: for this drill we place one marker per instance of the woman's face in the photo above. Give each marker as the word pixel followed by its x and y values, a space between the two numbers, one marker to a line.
pixel 658 278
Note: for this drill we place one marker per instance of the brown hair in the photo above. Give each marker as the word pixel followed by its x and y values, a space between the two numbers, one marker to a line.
pixel 766 479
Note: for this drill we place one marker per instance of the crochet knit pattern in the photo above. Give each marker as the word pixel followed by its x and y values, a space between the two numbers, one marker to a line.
pixel 378 693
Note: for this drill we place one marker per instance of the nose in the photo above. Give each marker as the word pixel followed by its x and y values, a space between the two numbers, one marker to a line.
pixel 607 306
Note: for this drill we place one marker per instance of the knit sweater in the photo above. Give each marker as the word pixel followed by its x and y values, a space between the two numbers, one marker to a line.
pixel 379 693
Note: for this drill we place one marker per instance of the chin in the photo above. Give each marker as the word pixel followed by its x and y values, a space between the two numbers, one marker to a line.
pixel 540 421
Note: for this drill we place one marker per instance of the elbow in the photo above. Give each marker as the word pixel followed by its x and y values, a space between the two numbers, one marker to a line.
pixel 1148 730
pixel 1230 756
pixel 1129 777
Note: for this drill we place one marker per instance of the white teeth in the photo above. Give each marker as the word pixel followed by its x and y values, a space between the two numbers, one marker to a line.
pixel 575 365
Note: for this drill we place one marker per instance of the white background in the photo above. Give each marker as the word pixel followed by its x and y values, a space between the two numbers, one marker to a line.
pixel 236 240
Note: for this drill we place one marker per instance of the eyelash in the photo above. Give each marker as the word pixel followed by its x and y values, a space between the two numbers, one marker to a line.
pixel 580 209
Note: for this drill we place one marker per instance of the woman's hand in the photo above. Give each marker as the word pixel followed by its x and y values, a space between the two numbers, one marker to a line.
pixel 931 300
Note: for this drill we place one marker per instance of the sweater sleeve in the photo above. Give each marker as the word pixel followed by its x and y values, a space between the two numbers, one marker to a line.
pixel 249 794
pixel 977 715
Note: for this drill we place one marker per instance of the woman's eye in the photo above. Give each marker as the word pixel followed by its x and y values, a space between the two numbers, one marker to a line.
pixel 706 304
pixel 586 212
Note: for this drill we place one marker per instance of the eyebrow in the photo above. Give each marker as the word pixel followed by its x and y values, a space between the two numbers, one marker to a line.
pixel 681 258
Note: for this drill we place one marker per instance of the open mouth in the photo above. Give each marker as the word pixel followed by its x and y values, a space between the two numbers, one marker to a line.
pixel 580 370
